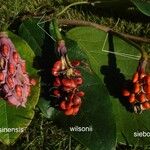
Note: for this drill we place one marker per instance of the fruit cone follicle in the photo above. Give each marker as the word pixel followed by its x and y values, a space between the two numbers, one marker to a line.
pixel 15 83
pixel 139 95
pixel 67 81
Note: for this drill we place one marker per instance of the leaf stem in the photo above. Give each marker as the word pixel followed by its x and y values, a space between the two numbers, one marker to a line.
pixel 92 24
pixel 103 28
pixel 73 4
pixel 109 30
pixel 56 29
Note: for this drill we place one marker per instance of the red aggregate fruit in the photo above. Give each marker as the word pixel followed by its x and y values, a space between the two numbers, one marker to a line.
pixel 139 95
pixel 67 82
pixel 146 105
pixel 23 67
pixel 125 92
pixel 33 82
pixel 75 63
pixel 1 76
pixel 5 50
pixel 69 112
pixel 63 105
pixel 11 68
pixel 15 57
pixel 132 98
pixel 76 100
pixel 135 77
pixel 136 87
pixel 75 110
pixel 79 81
pixel 15 84
pixel 80 93
pixel 57 82
pixel 56 93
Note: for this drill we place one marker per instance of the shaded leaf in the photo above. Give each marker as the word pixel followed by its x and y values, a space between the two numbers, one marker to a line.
pixel 45 108
pixel 143 6
pixel 34 36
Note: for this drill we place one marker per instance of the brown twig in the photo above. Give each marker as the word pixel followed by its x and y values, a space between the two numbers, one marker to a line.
pixel 103 28
pixel 95 25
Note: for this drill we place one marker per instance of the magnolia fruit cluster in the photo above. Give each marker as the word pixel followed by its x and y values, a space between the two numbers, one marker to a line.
pixel 14 80
pixel 66 83
pixel 139 95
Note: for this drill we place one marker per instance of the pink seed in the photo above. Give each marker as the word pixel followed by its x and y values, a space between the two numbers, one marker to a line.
pixel 5 50
pixel 33 82
pixel 1 76
pixel 15 57
pixel 11 68
pixel 12 100
pixel 23 67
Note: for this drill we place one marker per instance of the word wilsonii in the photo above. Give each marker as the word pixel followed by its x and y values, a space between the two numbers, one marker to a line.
pixel 81 129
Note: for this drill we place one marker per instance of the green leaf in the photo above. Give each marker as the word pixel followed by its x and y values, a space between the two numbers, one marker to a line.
pixel 143 6
pixel 45 108
pixel 19 118
pixel 113 68
pixel 34 36
pixel 95 114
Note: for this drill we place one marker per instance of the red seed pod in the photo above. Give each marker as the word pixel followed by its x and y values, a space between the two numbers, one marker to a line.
pixel 136 87
pixel 77 73
pixel 69 112
pixel 67 89
pixel 18 89
pixel 69 105
pixel 70 97
pixel 146 105
pixel 148 96
pixel 132 98
pixel 10 82
pixel 11 69
pixel 141 97
pixel 78 81
pixel 142 75
pixel 63 105
pixel 146 89
pixel 125 92
pixel 80 94
pixel 55 72
pixel 23 67
pixel 5 50
pixel 58 65
pixel 33 82
pixel 76 100
pixel 135 77
pixel 15 57
pixel 1 76
pixel 147 79
pixel 69 83
pixel 13 100
pixel 2 63
pixel 57 93
pixel 28 90
pixel 75 110
pixel 57 82
pixel 75 63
